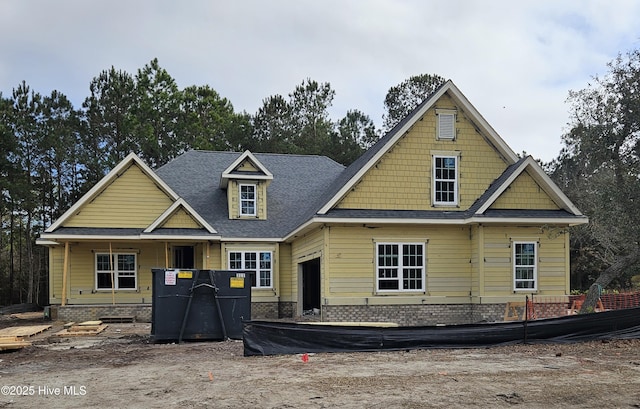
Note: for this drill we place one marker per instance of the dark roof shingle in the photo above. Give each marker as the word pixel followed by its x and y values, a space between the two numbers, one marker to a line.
pixel 299 181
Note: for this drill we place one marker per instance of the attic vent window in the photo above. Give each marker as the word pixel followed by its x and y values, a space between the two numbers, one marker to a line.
pixel 446 125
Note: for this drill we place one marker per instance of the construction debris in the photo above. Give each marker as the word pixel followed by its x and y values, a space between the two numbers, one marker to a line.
pixel 87 328
pixel 13 338
pixel 27 315
pixel 23 331
pixel 12 343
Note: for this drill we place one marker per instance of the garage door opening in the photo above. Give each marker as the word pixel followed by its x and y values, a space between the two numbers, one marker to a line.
pixel 311 287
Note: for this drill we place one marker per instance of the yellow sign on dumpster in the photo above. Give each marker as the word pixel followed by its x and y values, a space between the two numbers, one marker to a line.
pixel 236 282
pixel 185 274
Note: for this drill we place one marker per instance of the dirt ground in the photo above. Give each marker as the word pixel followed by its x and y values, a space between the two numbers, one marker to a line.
pixel 120 368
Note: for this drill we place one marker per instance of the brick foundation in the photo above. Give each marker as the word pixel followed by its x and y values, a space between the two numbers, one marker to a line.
pixel 411 315
pixel 142 312
pixel 264 310
pixel 287 309
pixel 404 315
pixel 80 313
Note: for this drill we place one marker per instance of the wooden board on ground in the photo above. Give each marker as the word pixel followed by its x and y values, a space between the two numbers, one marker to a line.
pixel 27 315
pixel 90 323
pixel 11 343
pixel 23 331
pixel 79 330
pixel 75 328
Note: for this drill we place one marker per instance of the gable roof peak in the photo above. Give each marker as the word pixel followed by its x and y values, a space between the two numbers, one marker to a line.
pixel 539 176
pixel 361 166
pixel 180 203
pixel 232 171
pixel 130 160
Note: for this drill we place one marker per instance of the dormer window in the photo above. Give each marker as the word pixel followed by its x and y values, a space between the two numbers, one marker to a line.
pixel 247 200
pixel 246 181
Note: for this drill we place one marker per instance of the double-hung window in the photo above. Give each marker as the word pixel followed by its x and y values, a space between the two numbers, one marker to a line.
pixel 400 267
pixel 445 180
pixel 248 200
pixel 258 262
pixel 525 266
pixel 120 266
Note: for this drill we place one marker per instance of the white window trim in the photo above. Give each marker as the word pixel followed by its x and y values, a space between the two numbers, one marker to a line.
pixel 256 270
pixel 451 134
pixel 423 275
pixel 456 183
pixel 535 267
pixel 116 271
pixel 254 200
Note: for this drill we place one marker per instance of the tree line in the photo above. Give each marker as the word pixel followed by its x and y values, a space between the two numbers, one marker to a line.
pixel 599 169
pixel 53 152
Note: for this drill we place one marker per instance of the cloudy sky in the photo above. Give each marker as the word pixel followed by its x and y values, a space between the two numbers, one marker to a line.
pixel 514 60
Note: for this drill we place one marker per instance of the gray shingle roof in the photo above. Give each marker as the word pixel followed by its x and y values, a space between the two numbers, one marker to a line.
pixel 299 181
pixel 303 185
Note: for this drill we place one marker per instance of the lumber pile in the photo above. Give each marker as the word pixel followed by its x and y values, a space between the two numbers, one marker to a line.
pixel 23 331
pixel 13 338
pixel 8 343
pixel 87 328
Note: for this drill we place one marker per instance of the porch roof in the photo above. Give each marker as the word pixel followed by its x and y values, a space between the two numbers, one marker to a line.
pixel 117 234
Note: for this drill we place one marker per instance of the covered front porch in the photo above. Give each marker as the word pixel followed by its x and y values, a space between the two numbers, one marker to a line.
pixel 111 275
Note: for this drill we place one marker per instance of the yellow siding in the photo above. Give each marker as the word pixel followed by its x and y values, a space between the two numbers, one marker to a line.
pixel 353 264
pixel 81 284
pixel 246 166
pixel 402 178
pixel 288 278
pixel 233 200
pixel 131 200
pixel 524 193
pixel 553 267
pixel 308 247
pixel 81 275
pixel 213 260
pixel 477 254
pixel 181 219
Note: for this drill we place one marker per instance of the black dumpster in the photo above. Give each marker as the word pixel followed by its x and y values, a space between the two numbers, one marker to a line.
pixel 199 304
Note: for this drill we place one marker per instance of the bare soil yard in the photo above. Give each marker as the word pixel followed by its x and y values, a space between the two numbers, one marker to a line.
pixel 120 368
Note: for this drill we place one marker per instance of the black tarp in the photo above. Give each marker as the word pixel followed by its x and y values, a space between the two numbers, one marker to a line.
pixel 273 338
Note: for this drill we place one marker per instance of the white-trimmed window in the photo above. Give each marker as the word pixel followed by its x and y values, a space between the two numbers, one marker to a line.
pixel 400 267
pixel 124 269
pixel 446 125
pixel 259 262
pixel 525 265
pixel 247 200
pixel 445 180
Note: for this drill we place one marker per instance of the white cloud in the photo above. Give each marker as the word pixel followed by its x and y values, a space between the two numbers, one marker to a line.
pixel 515 61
